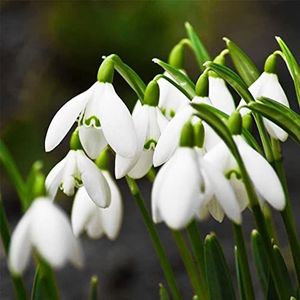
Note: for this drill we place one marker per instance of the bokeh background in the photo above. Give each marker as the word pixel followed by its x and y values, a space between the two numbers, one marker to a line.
pixel 51 50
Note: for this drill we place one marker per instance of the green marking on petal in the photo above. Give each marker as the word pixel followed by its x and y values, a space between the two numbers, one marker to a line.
pixel 150 144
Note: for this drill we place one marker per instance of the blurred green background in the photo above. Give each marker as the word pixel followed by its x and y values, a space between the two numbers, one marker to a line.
pixel 50 51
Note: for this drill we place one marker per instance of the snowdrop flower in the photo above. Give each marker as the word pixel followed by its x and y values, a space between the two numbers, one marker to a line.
pixel 46 229
pixel 149 123
pixel 268 85
pixel 170 98
pixel 186 183
pixel 104 117
pixel 170 137
pixel 73 171
pixel 262 175
pixel 96 221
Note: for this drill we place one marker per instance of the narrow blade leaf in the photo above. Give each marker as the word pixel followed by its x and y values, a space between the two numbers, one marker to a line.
pixel 242 63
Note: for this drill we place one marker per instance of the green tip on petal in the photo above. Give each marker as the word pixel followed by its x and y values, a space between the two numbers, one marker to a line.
pixel 270 64
pixel 151 96
pixel 235 123
pixel 199 134
pixel 247 121
pixel 102 161
pixel 106 71
pixel 187 135
pixel 75 141
pixel 176 57
pixel 202 85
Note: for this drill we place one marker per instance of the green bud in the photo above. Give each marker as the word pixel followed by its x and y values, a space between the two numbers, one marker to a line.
pixel 75 141
pixel 199 134
pixel 151 95
pixel 247 121
pixel 176 57
pixel 220 60
pixel 202 85
pixel 36 182
pixel 270 64
pixel 38 187
pixel 187 135
pixel 106 71
pixel 102 161
pixel 235 123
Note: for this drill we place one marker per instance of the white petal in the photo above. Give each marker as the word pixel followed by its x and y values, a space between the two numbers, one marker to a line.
pixel 223 191
pixel 64 119
pixel 240 192
pixel 20 246
pixel 83 210
pixel 215 210
pixel 116 122
pixel 54 178
pixel 211 138
pixel 93 180
pixel 275 131
pixel 143 165
pixel 94 228
pixel 169 139
pixel 179 193
pixel 112 216
pixel 262 174
pixel 92 140
pixel 124 165
pixel 52 236
pixel 220 96
pixel 161 120
pixel 70 172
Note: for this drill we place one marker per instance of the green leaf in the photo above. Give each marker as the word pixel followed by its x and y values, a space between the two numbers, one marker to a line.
pixel 218 275
pixel 163 294
pixel 14 174
pixel 93 294
pixel 130 76
pixel 292 65
pixel 232 78
pixel 242 63
pixel 183 80
pixel 239 274
pixel 283 116
pixel 200 51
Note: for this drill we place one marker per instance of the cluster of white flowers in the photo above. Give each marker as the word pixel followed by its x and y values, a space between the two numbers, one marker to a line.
pixel 196 178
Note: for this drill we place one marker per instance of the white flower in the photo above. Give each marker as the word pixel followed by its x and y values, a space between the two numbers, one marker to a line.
pixel 96 221
pixel 45 228
pixel 262 175
pixel 170 98
pixel 267 85
pixel 186 185
pixel 169 139
pixel 149 123
pixel 76 169
pixel 105 116
pixel 220 96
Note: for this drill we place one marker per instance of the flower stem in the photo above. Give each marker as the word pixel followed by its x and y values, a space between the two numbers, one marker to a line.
pixel 18 283
pixel 198 251
pixel 164 262
pixel 243 261
pixel 287 214
pixel 188 262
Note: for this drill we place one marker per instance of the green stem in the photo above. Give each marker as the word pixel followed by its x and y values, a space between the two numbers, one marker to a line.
pixel 188 262
pixel 287 214
pixel 198 251
pixel 243 261
pixel 18 283
pixel 164 262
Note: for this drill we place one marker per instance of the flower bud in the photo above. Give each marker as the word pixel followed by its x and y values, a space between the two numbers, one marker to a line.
pixel 176 57
pixel 102 161
pixel 75 141
pixel 198 134
pixel 151 96
pixel 187 135
pixel 247 121
pixel 235 123
pixel 106 71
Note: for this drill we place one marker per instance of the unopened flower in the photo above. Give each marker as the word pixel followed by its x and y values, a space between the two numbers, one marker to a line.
pixel 77 169
pixel 96 221
pixel 46 229
pixel 103 114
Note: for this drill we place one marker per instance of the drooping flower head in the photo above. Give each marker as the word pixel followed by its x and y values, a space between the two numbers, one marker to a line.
pixel 103 116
